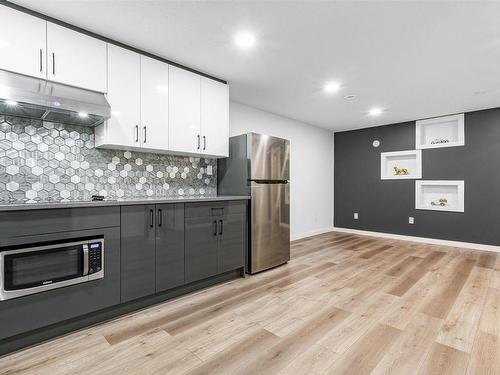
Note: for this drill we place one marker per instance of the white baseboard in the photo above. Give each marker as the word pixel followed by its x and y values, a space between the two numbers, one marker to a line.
pixel 432 241
pixel 312 233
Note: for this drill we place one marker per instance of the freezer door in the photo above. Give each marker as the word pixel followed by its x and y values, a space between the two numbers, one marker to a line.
pixel 270 226
pixel 269 158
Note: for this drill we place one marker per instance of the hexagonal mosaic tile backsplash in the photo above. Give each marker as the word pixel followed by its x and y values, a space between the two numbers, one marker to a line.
pixel 44 161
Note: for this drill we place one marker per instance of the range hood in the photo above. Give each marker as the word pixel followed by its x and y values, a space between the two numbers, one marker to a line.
pixel 37 98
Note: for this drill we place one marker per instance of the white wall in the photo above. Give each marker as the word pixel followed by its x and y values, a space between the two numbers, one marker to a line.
pixel 311 165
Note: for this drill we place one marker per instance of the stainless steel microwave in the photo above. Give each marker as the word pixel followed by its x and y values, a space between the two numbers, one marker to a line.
pixel 36 268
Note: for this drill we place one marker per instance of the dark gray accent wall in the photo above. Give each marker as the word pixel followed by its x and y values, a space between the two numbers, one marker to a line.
pixel 385 205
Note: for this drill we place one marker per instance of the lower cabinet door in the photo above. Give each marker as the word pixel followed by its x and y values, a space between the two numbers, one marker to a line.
pixel 138 251
pixel 232 243
pixel 201 247
pixel 169 246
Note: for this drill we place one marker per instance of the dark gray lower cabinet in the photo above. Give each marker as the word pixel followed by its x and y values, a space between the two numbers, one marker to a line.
pixel 232 234
pixel 215 239
pixel 201 248
pixel 169 246
pixel 138 251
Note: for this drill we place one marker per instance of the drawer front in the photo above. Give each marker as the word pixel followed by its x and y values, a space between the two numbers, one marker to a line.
pixel 206 209
pixel 30 222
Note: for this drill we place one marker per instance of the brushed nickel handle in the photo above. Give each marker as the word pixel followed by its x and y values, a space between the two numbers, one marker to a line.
pixel 137 133
pixel 204 143
pixel 198 141
pixel 145 134
pixel 53 63
pixel 41 58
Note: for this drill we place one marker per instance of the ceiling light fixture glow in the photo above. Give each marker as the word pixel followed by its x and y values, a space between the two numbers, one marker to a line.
pixel 331 87
pixel 83 114
pixel 245 39
pixel 375 111
pixel 11 102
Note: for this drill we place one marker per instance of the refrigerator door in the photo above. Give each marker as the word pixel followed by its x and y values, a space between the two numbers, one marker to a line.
pixel 269 157
pixel 270 225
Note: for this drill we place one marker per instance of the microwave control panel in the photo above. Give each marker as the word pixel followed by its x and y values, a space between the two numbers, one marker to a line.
pixel 95 257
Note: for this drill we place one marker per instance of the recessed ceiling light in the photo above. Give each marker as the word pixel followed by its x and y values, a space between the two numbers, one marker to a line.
pixel 331 87
pixel 244 39
pixel 11 102
pixel 350 97
pixel 83 114
pixel 375 111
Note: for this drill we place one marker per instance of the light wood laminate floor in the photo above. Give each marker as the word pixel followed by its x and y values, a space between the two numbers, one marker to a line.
pixel 344 304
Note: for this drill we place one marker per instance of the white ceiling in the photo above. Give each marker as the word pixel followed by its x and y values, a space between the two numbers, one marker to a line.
pixel 414 59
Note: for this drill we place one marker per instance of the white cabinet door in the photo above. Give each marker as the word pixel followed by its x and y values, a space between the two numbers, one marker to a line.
pixel 214 117
pixel 184 111
pixel 154 104
pixel 124 97
pixel 76 59
pixel 22 43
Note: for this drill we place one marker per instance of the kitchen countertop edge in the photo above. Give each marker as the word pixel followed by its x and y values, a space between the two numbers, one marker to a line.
pixel 111 203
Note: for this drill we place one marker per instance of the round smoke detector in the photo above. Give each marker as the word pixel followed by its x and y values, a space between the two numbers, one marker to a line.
pixel 376 143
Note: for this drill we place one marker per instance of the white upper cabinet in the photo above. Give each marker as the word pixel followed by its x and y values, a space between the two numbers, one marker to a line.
pixel 184 111
pixel 22 43
pixel 75 59
pixel 154 104
pixel 122 130
pixel 214 117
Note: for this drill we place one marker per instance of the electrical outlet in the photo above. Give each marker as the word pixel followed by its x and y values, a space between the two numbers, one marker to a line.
pixel 411 220
pixel 356 216
pixel 209 170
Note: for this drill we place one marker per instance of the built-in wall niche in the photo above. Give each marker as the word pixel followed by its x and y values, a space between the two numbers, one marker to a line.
pixel 401 165
pixel 439 195
pixel 446 131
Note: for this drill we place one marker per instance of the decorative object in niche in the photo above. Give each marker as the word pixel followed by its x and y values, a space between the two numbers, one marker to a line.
pixel 445 195
pixel 439 140
pixel 400 171
pixel 376 143
pixel 440 202
pixel 401 165
pixel 446 131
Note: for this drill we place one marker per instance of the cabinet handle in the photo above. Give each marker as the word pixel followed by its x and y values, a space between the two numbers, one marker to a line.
pixel 137 133
pixel 41 58
pixel 198 141
pixel 144 129
pixel 221 227
pixel 53 63
pixel 204 143
pixel 159 217
pixel 151 218
pixel 214 227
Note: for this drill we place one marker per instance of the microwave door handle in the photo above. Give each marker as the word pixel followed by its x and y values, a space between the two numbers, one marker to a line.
pixel 85 260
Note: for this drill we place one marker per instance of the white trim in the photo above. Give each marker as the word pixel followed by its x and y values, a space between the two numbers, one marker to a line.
pixel 432 241
pixel 386 174
pixel 420 205
pixel 311 233
pixel 436 121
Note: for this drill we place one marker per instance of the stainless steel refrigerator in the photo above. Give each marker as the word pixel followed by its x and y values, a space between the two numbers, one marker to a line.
pixel 259 166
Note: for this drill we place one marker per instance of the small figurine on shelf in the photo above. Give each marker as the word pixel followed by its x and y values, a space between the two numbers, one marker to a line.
pixel 439 140
pixel 400 171
pixel 440 202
